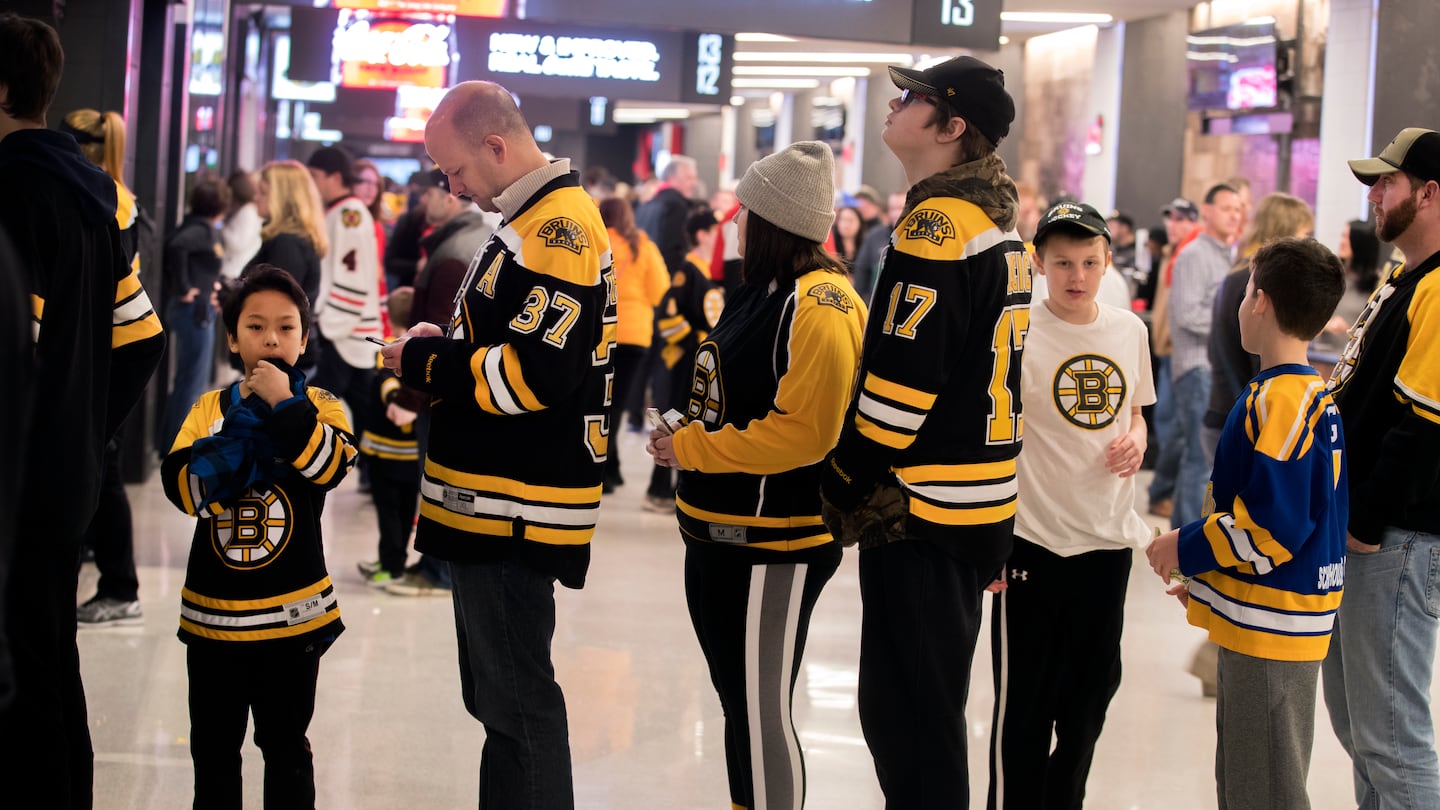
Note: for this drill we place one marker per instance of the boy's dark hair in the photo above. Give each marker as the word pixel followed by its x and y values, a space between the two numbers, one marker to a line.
pixel 702 220
pixel 209 199
pixel 1304 282
pixel 973 143
pixel 1216 190
pixel 398 304
pixel 1074 232
pixel 31 61
pixel 262 277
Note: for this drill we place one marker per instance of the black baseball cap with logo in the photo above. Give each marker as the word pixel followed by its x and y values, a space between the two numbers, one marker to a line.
pixel 432 179
pixel 971 88
pixel 1181 207
pixel 1076 218
pixel 1415 151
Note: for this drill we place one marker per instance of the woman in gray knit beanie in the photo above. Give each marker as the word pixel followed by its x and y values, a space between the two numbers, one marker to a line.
pixel 772 383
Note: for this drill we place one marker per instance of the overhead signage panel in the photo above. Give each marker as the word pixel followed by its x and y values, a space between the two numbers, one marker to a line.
pixel 957 23
pixel 866 20
pixel 573 61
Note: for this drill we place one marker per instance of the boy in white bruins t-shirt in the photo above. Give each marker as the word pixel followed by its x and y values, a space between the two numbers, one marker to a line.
pixel 1059 606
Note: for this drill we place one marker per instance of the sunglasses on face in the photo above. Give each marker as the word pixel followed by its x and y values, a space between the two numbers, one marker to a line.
pixel 907 95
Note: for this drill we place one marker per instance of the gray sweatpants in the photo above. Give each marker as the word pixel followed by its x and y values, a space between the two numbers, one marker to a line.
pixel 1264 729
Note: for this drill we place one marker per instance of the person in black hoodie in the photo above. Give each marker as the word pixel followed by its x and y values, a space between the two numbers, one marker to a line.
pixel 192 265
pixel 97 341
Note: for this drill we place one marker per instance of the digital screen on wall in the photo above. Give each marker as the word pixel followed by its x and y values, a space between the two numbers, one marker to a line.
pixel 1233 68
pixel 375 50
pixel 572 61
pixel 865 20
pixel 957 23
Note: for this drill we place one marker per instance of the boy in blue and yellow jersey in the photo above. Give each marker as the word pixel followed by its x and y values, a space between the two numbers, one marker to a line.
pixel 253 461
pixel 937 414
pixel 1266 566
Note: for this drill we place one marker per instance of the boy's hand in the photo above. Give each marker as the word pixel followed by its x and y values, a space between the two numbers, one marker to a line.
pixel 1180 591
pixel 1124 455
pixel 1000 583
pixel 398 415
pixel 272 384
pixel 1164 554
pixel 393 351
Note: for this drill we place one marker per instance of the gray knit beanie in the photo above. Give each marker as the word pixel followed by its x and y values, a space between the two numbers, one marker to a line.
pixel 794 189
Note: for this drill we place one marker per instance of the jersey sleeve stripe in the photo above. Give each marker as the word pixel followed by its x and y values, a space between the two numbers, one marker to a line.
pixel 1424 407
pixel 515 378
pixel 495 374
pixel 882 435
pixel 320 451
pixel 892 417
pixel 483 395
pixel 895 392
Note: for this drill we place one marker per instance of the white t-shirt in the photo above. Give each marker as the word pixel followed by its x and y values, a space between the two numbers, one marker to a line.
pixel 1079 384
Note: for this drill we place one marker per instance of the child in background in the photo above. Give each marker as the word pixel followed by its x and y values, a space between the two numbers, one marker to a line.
pixel 1060 606
pixel 1264 571
pixel 391 449
pixel 253 461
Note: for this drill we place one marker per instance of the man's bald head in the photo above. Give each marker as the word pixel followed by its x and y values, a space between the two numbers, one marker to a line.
pixel 477 109
pixel 478 137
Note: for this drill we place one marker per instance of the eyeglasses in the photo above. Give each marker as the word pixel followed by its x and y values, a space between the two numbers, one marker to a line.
pixel 907 95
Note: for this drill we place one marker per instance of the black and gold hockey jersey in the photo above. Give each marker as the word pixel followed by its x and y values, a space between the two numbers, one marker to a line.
pixel 521 390
pixel 1387 386
pixel 394 446
pixel 687 313
pixel 256 571
pixel 938 402
pixel 769 395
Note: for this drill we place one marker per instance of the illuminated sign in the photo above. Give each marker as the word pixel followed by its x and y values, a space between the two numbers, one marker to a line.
pixel 282 87
pixel 568 61
pixel 467 8
pixel 574 57
pixel 388 52
pixel 413 107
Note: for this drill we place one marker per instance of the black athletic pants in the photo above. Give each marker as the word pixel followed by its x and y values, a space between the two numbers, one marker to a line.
pixel 111 534
pixel 628 358
pixel 921 620
pixel 229 682
pixel 753 618
pixel 1055 635
pixel 395 489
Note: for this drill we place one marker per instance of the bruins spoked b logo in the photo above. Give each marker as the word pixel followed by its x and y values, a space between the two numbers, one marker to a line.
pixel 1089 390
pixel 253 532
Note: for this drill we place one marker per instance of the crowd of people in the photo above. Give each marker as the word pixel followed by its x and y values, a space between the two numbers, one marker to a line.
pixel 814 371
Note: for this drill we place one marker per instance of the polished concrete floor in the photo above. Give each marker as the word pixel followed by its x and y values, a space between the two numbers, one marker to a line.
pixel 645 726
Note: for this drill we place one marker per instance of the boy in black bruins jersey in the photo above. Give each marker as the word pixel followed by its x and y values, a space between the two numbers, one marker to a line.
pixel 253 461
pixel 772 382
pixel 937 413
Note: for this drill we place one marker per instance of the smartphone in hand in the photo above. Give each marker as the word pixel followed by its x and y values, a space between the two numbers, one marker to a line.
pixel 658 421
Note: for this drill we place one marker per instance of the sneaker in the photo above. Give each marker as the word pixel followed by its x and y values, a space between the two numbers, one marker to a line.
pixel 657 504
pixel 415 583
pixel 368 568
pixel 379 579
pixel 104 610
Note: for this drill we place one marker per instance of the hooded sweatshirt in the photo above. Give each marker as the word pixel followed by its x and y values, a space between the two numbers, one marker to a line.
pixel 97 339
pixel 938 406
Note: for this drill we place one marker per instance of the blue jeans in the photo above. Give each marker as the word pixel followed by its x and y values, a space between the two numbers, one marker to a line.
pixel 192 343
pixel 1167 459
pixel 1192 399
pixel 504 622
pixel 1379 669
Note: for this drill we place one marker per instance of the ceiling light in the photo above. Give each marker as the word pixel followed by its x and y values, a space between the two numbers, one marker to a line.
pixel 1055 17
pixel 800 70
pixel 1004 40
pixel 754 37
pixel 810 56
pixel 737 101
pixel 788 84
